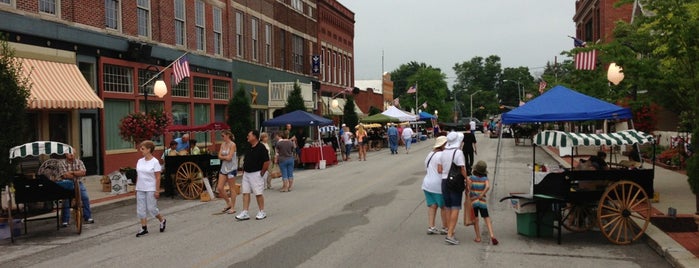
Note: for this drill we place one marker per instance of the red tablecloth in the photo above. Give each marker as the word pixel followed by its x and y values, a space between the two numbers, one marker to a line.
pixel 312 155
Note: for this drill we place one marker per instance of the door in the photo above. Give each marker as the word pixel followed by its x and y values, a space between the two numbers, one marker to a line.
pixel 89 143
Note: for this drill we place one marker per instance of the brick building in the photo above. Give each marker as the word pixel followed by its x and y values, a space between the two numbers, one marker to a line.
pixel 595 19
pixel 261 46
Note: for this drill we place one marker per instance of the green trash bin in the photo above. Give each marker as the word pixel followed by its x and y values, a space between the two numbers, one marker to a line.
pixel 526 224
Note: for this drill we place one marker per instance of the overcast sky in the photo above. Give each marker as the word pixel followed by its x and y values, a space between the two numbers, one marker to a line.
pixel 441 33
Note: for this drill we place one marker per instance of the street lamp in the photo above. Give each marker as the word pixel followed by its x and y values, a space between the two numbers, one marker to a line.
pixel 474 93
pixel 159 88
pixel 519 95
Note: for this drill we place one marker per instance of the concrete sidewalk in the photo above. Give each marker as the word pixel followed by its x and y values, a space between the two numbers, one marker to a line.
pixel 680 249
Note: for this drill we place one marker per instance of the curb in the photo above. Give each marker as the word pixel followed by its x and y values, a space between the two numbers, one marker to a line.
pixel 663 244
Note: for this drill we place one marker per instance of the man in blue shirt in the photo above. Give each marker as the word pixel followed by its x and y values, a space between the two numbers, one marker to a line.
pixel 182 143
pixel 392 133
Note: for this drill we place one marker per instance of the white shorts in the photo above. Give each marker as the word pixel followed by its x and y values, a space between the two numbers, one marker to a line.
pixel 253 182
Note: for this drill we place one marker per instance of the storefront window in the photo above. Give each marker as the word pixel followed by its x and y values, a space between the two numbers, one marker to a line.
pixel 201 117
pixel 114 111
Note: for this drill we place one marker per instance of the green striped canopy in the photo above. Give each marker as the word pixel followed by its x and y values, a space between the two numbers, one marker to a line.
pixel 570 139
pixel 40 147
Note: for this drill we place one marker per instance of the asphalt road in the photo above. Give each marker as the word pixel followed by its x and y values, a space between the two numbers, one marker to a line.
pixel 356 214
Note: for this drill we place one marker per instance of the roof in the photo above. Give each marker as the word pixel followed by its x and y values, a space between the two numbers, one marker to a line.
pixel 375 85
pixel 570 139
pixel 563 104
pixel 57 85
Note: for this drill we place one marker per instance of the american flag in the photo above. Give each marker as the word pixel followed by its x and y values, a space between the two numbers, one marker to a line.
pixel 542 86
pixel 586 60
pixel 412 90
pixel 180 69
pixel 578 42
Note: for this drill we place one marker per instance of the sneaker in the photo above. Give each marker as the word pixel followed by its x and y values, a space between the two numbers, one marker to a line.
pixel 89 221
pixel 451 240
pixel 142 232
pixel 162 225
pixel 243 216
pixel 443 231
pixel 432 230
pixel 64 225
pixel 260 215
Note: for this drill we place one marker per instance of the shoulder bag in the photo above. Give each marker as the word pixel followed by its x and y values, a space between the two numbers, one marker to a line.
pixel 455 181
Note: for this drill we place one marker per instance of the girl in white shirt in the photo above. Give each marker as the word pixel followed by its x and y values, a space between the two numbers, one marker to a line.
pixel 148 187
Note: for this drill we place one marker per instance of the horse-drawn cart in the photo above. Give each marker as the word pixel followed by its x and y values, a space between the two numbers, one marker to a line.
pixel 187 173
pixel 616 199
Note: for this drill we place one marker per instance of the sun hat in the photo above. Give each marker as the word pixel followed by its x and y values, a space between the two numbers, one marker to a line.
pixel 481 168
pixel 453 140
pixel 441 140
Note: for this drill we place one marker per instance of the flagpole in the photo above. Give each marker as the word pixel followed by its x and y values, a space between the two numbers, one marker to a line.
pixel 416 96
pixel 163 70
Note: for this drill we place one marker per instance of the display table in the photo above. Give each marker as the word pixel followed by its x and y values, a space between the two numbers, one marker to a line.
pixel 311 155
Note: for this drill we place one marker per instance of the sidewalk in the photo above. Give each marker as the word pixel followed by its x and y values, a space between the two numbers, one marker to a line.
pixel 681 249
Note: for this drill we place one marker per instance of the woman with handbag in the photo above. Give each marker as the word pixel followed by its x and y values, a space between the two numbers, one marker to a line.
pixel 453 182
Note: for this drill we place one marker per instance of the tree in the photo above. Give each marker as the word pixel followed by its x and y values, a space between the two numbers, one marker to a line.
pixel 295 101
pixel 240 119
pixel 373 110
pixel 14 89
pixel 431 86
pixel 350 116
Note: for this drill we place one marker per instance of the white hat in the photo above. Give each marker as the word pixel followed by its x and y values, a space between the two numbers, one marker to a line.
pixel 454 139
pixel 344 125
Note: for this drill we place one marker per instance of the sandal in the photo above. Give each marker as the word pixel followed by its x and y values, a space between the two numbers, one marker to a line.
pixel 477 240
pixel 494 241
pixel 225 210
pixel 230 211
pixel 283 191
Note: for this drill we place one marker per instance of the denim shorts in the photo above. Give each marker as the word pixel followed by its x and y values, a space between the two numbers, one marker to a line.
pixel 452 200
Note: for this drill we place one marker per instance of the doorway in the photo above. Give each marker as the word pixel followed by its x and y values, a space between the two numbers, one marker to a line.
pixel 89 143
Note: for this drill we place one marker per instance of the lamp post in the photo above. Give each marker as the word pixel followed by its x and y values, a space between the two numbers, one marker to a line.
pixel 519 96
pixel 474 93
pixel 159 88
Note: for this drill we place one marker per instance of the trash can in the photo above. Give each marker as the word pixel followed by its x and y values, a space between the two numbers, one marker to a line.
pixel 526 224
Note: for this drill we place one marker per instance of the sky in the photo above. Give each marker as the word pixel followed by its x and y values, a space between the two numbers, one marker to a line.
pixel 441 33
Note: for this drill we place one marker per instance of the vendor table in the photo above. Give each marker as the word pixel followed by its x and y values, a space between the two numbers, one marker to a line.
pixel 311 155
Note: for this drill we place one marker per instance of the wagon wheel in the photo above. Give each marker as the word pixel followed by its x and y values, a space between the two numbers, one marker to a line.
pixel 188 180
pixel 213 180
pixel 577 217
pixel 78 208
pixel 620 204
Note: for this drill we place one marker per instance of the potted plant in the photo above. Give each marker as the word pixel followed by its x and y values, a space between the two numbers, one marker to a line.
pixel 137 127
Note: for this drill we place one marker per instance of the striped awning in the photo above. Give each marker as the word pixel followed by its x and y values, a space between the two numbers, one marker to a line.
pixel 58 85
pixel 40 148
pixel 325 129
pixel 569 139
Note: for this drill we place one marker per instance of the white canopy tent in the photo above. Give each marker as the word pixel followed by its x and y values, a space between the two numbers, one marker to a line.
pixel 400 114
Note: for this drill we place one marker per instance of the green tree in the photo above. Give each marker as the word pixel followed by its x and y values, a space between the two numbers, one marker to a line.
pixel 240 119
pixel 350 115
pixel 14 89
pixel 295 101
pixel 431 86
pixel 373 110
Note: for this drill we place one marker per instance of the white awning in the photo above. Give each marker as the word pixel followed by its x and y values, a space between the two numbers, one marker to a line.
pixel 570 139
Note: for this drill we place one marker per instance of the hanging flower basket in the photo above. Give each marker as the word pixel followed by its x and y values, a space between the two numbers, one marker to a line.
pixel 137 127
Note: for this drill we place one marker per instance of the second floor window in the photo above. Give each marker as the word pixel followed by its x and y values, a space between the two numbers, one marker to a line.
pixel 239 34
pixel 179 23
pixel 218 32
pixel 253 32
pixel 144 18
pixel 268 44
pixel 201 35
pixel 48 6
pixel 111 14
pixel 297 53
pixel 297 4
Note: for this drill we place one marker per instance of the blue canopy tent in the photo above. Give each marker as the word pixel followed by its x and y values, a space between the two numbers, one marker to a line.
pixel 563 104
pixel 426 116
pixel 297 118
